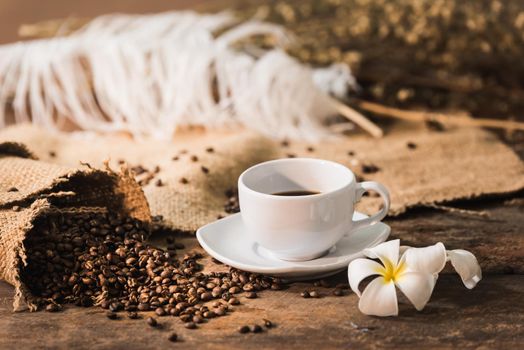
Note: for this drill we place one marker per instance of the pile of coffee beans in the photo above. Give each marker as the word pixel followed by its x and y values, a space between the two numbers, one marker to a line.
pixel 99 258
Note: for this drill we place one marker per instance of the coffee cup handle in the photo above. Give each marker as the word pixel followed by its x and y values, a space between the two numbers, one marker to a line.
pixel 363 187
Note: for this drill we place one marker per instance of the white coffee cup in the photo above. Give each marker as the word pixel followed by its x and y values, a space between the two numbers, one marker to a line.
pixel 298 228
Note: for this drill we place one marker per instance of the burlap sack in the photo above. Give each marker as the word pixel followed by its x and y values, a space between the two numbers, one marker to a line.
pixel 30 188
pixel 435 167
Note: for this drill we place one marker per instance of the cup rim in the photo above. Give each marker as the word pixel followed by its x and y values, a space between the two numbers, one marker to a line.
pixel 243 186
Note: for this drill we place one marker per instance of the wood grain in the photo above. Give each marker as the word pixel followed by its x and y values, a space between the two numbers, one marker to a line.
pixel 488 316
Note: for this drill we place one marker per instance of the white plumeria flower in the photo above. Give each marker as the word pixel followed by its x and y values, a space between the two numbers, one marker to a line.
pixel 415 274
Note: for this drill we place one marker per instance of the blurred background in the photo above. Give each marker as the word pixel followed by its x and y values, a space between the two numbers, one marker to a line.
pixel 446 55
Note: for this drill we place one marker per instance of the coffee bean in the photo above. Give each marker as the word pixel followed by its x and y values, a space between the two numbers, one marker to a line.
pixel 151 321
pixel 370 168
pixel 173 337
pixel 351 153
pixel 411 145
pixel 116 306
pixel 159 183
pixel 206 296
pixel 160 311
pixel 233 301
pixel 291 155
pixel 52 154
pixel 197 319
pixel 338 292
pixel 194 158
pixel 184 181
pixel 210 150
pixel 220 311
pixel 256 328
pixel 235 290
pixel 53 308
pixel 314 294
pixel 132 315
pixel 268 323
pixel 144 307
pixel 204 169
pixel 285 143
pixel 305 294
pixel 251 295
pixel 190 325
pixel 310 149
pixel 209 314
pixel 12 189
pixel 175 158
pixel 244 329
pixel 111 315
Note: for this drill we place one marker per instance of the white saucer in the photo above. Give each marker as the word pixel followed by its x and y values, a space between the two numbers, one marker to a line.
pixel 227 241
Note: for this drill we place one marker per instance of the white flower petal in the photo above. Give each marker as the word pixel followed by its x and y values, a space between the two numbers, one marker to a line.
pixel 403 249
pixel 387 252
pixel 467 266
pixel 430 259
pixel 379 298
pixel 417 287
pixel 359 269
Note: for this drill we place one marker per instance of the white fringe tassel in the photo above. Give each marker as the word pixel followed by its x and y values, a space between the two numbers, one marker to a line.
pixel 150 74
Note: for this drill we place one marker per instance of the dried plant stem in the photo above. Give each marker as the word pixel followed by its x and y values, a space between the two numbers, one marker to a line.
pixel 419 116
pixel 358 119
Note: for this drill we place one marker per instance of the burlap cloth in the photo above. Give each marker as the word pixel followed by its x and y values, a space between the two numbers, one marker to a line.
pixel 30 188
pixel 438 167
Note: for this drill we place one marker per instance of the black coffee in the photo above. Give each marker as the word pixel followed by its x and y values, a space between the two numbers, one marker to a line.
pixel 295 193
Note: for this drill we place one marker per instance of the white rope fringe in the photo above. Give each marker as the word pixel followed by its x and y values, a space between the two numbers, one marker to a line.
pixel 149 74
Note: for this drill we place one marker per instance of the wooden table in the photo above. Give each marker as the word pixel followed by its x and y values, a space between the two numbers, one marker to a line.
pixel 489 316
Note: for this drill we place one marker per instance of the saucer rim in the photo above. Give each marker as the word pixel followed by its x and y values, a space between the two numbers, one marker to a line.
pixel 382 237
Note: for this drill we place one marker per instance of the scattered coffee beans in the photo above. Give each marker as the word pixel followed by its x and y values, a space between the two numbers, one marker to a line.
pixel 98 258
pixel 338 292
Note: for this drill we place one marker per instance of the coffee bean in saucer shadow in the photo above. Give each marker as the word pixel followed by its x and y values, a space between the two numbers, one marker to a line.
pixel 314 294
pixel 338 292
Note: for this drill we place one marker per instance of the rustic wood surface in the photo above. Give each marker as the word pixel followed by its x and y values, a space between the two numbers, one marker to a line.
pixel 489 316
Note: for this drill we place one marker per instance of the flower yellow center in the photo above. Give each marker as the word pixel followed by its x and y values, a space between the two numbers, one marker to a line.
pixel 392 272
